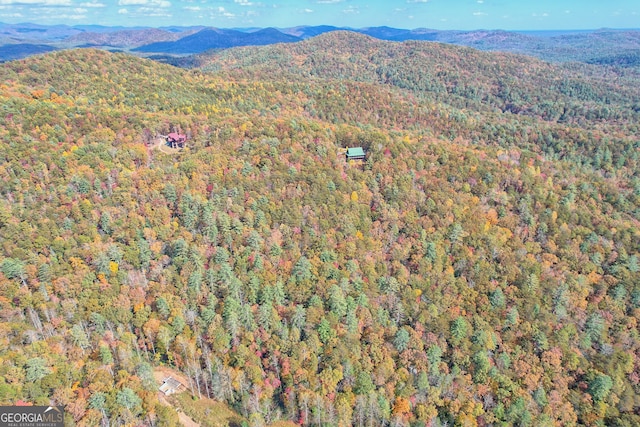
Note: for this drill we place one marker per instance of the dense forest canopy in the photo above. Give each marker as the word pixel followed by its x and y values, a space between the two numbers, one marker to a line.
pixel 481 267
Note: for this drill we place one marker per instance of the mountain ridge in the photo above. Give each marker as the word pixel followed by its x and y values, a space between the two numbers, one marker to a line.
pixel 557 46
pixel 489 79
pixel 123 38
pixel 215 38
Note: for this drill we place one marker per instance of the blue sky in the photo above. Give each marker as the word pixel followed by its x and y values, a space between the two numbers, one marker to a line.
pixel 438 14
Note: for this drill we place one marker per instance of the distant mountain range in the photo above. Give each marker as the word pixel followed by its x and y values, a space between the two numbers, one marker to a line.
pixel 125 38
pixel 612 47
pixel 16 51
pixel 214 38
pixel 456 75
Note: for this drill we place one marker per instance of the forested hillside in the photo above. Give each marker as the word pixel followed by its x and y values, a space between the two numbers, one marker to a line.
pixel 481 267
pixel 458 76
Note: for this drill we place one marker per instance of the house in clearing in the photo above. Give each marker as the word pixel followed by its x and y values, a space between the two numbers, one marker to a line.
pixel 355 153
pixel 170 386
pixel 176 140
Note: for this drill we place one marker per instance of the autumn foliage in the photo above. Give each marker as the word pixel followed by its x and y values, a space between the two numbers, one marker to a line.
pixel 480 268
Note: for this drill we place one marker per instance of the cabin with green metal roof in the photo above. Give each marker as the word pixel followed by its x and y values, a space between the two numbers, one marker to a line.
pixel 355 153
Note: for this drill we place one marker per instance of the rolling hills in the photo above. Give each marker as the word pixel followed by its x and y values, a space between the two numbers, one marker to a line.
pixel 12 51
pixel 123 38
pixel 480 267
pixel 604 46
pixel 457 76
pixel 214 38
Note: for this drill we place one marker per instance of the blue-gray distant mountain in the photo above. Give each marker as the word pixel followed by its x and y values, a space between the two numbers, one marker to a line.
pixel 619 48
pixel 382 33
pixel 570 46
pixel 214 38
pixel 33 32
pixel 9 52
pixel 305 32
pixel 123 38
pixel 398 34
pixel 107 29
pixel 628 59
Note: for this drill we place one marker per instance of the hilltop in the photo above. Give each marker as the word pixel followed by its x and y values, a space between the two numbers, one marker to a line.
pixel 480 267
pixel 461 77
pixel 123 38
pixel 609 47
pixel 213 38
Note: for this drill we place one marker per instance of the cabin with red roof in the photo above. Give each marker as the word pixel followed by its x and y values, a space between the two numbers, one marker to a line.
pixel 176 140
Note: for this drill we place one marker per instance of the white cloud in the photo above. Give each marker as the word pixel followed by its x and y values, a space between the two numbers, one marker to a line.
pixel 145 3
pixel 68 17
pixel 50 10
pixel 480 14
pixel 225 13
pixel 351 9
pixel 123 11
pixel 307 10
pixel 417 1
pixel 153 11
pixel 53 13
pixel 202 10
pixel 329 1
pixel 93 4
pixel 37 2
